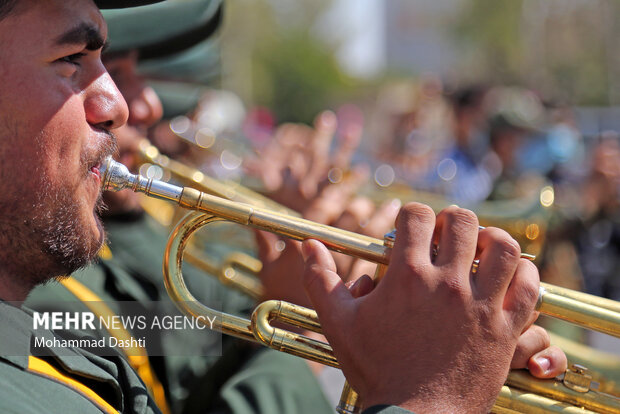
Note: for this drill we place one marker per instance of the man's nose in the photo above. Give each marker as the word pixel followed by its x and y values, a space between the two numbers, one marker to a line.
pixel 104 105
pixel 145 108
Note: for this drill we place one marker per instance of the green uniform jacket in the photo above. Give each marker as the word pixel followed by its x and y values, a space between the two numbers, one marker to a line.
pixel 133 273
pixel 24 390
pixel 250 379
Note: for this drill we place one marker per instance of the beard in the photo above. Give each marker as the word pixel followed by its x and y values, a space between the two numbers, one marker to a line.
pixel 48 238
pixel 48 234
pixel 63 232
pixel 64 236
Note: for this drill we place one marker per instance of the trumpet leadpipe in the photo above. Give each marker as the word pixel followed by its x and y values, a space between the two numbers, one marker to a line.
pixel 578 308
pixel 116 176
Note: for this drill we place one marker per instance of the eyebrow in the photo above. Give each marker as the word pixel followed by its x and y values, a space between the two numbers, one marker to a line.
pixel 83 34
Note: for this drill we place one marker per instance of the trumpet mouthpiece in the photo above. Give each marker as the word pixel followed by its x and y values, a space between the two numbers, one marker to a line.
pixel 115 176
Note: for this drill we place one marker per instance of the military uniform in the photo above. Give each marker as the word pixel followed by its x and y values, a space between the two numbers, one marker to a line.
pixel 133 273
pixel 76 381
pixel 247 380
pixel 251 380
pixel 73 381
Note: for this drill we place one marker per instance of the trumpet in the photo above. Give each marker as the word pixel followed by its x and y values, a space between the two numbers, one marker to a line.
pixel 529 230
pixel 575 307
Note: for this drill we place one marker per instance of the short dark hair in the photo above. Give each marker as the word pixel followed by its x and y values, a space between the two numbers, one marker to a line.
pixel 469 97
pixel 6 7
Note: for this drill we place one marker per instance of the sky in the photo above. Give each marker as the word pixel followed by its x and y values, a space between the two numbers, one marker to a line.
pixel 358 24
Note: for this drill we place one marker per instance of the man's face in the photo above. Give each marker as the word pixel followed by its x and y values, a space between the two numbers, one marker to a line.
pixel 57 107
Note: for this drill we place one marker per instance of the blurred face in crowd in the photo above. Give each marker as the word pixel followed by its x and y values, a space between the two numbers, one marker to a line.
pixel 58 106
pixel 145 109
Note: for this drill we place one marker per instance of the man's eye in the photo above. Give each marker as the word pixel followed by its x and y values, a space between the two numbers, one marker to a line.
pixel 72 59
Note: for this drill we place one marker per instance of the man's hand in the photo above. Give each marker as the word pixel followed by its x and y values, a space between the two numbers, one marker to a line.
pixel 433 336
pixel 295 166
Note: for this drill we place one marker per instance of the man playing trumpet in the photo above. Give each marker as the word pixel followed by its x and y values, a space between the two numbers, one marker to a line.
pixel 59 108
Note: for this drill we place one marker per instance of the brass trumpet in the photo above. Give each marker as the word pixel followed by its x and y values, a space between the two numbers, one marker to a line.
pixel 575 307
pixel 528 232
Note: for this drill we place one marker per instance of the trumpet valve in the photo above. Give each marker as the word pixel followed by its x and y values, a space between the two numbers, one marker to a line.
pixel 388 241
pixel 578 378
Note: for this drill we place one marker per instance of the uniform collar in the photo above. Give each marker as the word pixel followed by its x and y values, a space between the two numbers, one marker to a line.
pixel 16 328
pixel 16 331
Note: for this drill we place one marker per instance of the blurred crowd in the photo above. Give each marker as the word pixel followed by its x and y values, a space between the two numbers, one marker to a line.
pixel 487 147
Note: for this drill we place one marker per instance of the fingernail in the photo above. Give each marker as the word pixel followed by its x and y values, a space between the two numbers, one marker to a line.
pixel 280 245
pixel 305 250
pixel 396 203
pixel 327 119
pixel 543 363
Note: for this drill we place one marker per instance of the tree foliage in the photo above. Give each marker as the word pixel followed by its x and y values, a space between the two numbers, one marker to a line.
pixel 297 76
pixel 564 49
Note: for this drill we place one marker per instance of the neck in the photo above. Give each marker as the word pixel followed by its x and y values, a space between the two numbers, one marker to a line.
pixel 13 288
pixel 21 272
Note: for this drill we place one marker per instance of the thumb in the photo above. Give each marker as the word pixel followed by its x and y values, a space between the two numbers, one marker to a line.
pixel 324 287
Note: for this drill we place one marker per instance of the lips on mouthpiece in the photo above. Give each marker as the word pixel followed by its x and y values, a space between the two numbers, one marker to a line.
pixel 95 170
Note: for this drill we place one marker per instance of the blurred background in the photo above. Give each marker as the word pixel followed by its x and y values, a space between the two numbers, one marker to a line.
pixel 297 58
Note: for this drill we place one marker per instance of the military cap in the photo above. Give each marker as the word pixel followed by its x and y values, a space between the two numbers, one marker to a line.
pixel 178 98
pixel 515 107
pixel 158 30
pixel 181 79
pixel 199 64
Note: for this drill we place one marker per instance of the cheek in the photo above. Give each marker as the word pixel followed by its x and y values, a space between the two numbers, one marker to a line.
pixel 36 94
pixel 65 135
pixel 40 114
